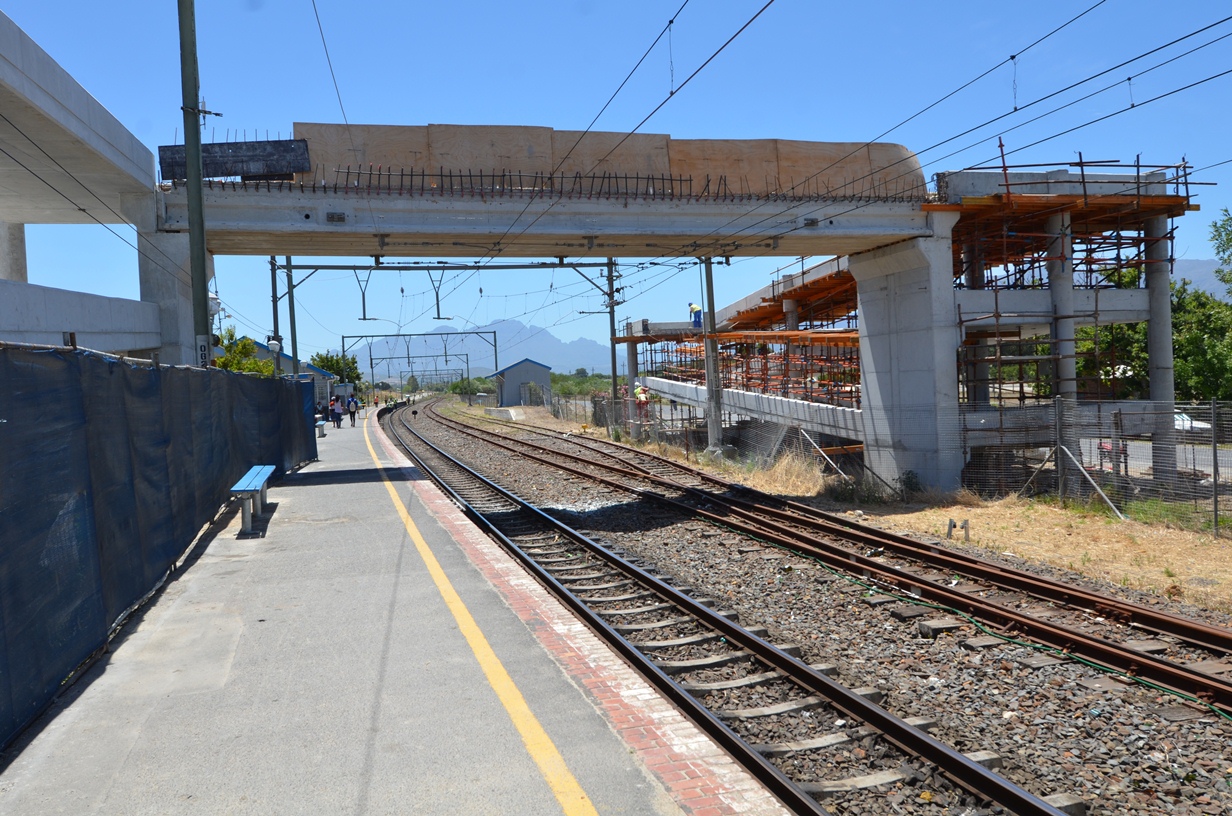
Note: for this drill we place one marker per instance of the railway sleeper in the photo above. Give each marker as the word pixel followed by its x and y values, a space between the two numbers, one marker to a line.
pixel 789 707
pixel 772 749
pixel 631 596
pixel 626 628
pixel 589 576
pixel 565 558
pixel 688 640
pixel 601 587
pixel 825 788
pixel 633 610
pixel 577 564
pixel 702 689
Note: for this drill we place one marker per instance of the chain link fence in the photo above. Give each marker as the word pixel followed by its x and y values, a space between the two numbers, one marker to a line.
pixel 1152 462
pixel 1147 461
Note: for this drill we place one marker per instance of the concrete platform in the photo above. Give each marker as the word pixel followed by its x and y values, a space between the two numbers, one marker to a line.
pixel 367 651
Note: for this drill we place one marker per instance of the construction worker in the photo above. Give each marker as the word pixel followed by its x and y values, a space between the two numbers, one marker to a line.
pixel 695 314
pixel 641 395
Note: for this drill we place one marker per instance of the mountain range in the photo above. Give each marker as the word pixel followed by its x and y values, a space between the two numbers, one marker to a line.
pixel 449 348
pixel 1201 273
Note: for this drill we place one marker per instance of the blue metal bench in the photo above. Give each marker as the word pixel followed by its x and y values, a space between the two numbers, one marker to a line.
pixel 321 429
pixel 251 491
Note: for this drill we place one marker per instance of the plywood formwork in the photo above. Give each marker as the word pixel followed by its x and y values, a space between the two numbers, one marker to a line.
pixel 594 153
pixel 490 147
pixel 727 166
pixel 332 148
pixel 849 170
pixel 691 167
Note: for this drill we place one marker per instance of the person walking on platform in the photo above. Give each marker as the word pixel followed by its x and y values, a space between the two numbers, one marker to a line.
pixel 695 313
pixel 336 412
pixel 352 406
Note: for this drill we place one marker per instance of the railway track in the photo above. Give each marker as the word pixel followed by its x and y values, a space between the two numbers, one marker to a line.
pixel 781 718
pixel 1184 657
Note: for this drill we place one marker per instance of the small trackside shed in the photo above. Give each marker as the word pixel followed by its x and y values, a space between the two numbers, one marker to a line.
pixel 514 383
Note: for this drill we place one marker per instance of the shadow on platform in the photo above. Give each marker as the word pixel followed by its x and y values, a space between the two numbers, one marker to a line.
pixel 336 477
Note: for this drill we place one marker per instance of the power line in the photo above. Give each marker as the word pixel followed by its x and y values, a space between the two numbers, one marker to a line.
pixel 995 119
pixel 1132 106
pixel 647 118
pixel 338 92
pixel 606 104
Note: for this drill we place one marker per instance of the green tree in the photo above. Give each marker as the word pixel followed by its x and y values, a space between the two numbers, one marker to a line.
pixel 469 387
pixel 1201 350
pixel 345 368
pixel 240 354
pixel 1221 238
pixel 1201 344
pixel 411 386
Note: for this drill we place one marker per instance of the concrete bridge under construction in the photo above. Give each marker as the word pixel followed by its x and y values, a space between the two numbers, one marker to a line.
pixel 919 266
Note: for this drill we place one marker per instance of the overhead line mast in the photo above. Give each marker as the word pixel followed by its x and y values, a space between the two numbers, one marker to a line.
pixel 191 96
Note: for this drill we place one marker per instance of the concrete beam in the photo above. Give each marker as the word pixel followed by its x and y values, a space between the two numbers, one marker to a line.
pixel 953 187
pixel 1032 308
pixel 64 139
pixel 846 423
pixel 43 315
pixel 265 220
pixel 13 253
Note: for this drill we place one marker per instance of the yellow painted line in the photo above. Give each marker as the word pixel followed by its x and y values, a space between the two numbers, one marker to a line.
pixel 573 800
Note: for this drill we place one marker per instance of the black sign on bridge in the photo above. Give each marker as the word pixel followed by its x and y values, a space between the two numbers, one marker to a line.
pixel 251 161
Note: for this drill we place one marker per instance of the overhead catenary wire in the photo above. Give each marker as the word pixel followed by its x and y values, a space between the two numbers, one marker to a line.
pixel 338 92
pixel 646 119
pixel 788 209
pixel 593 121
pixel 727 43
pixel 755 237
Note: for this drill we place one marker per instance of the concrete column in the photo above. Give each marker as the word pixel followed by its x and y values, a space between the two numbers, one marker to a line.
pixel 791 314
pixel 908 345
pixel 1060 266
pixel 165 275
pixel 978 390
pixel 631 379
pixel 13 253
pixel 166 279
pixel 1159 346
pixel 714 385
pixel 1061 288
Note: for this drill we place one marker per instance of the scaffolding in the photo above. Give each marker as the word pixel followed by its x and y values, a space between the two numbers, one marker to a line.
pixel 814 366
pixel 1009 241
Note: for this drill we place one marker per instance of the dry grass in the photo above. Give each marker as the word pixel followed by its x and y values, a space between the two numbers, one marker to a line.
pixel 1196 567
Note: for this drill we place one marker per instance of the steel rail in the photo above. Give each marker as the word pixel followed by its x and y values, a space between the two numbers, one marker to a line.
pixel 1193 632
pixel 967 773
pixel 1156 670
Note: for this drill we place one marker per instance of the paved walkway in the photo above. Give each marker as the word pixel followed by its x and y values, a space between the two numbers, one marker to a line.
pixel 369 652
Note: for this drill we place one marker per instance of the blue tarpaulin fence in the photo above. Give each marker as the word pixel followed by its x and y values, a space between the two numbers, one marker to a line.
pixel 108 471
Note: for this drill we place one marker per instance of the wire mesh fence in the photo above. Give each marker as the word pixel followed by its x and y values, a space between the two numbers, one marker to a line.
pixel 1147 461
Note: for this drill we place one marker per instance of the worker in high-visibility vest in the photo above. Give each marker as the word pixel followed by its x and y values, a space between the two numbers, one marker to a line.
pixel 641 395
pixel 695 314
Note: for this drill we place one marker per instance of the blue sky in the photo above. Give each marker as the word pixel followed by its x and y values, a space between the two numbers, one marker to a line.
pixel 803 70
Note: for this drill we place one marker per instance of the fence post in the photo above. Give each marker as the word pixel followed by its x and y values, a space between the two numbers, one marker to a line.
pixel 1215 462
pixel 1057 447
